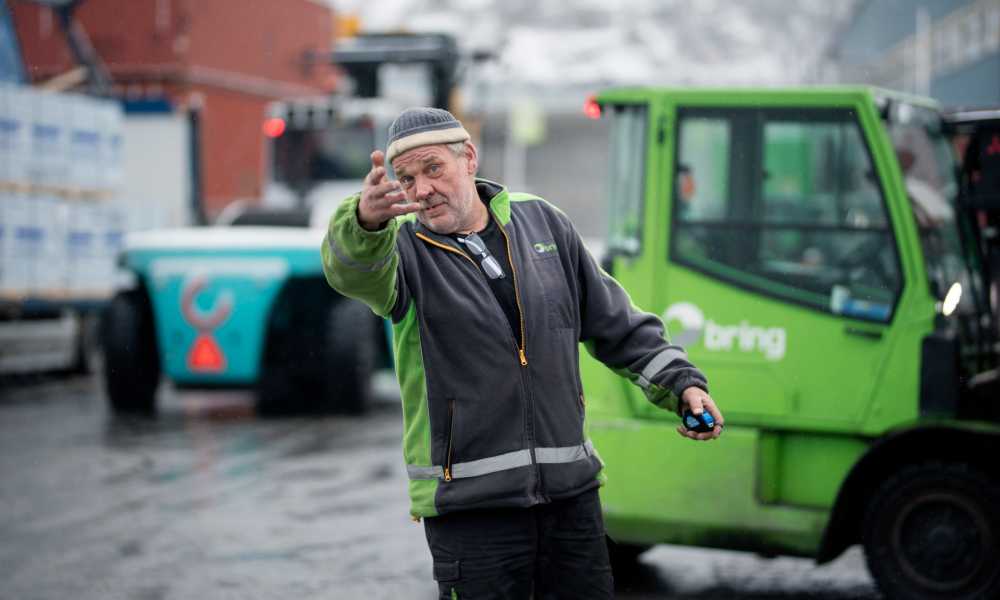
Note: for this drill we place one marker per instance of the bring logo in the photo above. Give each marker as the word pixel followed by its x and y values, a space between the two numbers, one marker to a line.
pixel 694 328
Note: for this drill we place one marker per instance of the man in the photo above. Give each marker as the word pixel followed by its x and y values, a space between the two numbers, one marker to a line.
pixel 489 293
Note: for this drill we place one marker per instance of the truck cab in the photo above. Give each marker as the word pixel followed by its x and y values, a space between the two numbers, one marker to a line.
pixel 804 246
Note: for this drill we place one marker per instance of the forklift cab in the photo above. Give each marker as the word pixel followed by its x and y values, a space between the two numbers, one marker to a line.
pixel 806 249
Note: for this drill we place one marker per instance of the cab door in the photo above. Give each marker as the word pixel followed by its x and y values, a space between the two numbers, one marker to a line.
pixel 636 143
pixel 781 274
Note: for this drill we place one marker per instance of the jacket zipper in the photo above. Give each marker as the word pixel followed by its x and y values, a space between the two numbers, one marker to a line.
pixel 517 297
pixel 529 403
pixel 451 438
pixel 522 358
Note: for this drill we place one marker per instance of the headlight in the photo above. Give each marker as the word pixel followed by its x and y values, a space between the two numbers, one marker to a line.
pixel 951 299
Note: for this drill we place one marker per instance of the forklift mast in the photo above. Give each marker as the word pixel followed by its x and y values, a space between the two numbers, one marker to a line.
pixel 362 56
pixel 979 191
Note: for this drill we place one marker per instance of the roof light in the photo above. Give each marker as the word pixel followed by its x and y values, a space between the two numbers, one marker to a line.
pixel 592 108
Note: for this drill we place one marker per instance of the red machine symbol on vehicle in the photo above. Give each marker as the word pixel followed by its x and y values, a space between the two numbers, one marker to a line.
pixel 205 355
pixel 994 147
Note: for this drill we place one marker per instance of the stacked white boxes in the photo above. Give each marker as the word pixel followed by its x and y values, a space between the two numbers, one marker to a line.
pixel 110 178
pixel 7 131
pixel 20 239
pixel 111 124
pixel 83 226
pixel 60 172
pixel 49 171
pixel 84 143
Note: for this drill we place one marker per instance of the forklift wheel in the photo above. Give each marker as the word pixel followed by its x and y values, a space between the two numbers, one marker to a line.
pixel 131 360
pixel 932 531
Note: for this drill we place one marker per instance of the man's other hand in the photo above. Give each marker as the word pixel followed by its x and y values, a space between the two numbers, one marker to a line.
pixel 697 401
pixel 381 198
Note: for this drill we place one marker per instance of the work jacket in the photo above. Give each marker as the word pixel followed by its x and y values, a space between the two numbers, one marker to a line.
pixel 494 417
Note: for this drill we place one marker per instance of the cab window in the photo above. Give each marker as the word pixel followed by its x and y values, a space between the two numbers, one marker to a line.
pixel 626 178
pixel 785 202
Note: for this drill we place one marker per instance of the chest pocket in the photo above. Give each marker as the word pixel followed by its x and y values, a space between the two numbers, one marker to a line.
pixel 560 309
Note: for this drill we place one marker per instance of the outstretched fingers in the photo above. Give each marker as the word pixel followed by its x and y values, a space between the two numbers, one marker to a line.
pixel 403 208
pixel 377 171
pixel 381 198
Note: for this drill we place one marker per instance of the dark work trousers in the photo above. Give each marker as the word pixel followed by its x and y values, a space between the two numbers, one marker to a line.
pixel 546 552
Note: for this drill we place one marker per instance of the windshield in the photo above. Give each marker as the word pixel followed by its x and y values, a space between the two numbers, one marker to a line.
pixel 625 185
pixel 928 166
pixel 305 157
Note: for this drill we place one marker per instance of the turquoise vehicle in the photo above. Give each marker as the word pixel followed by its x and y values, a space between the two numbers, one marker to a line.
pixel 811 250
pixel 244 305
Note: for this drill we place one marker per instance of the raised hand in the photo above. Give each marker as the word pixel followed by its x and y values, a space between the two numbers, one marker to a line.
pixel 381 198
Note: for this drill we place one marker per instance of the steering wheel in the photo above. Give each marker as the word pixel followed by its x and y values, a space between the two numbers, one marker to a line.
pixel 863 263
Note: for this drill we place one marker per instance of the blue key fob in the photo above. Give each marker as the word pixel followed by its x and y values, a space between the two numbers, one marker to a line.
pixel 702 423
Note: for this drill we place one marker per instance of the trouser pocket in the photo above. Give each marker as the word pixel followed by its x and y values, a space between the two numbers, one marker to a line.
pixel 483 554
pixel 447 574
pixel 447 571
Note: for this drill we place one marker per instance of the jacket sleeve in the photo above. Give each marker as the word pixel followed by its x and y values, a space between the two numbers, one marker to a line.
pixel 362 264
pixel 629 341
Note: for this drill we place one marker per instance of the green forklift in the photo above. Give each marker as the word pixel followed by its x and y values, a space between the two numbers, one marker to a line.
pixel 825 262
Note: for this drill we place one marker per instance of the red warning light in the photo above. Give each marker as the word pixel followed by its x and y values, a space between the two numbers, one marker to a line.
pixel 591 108
pixel 206 356
pixel 274 127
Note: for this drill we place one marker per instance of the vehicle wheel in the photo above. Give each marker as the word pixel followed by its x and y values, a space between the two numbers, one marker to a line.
pixel 932 531
pixel 349 352
pixel 131 359
pixel 276 392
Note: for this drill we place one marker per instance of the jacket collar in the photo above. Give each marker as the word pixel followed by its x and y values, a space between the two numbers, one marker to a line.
pixel 496 198
pixel 497 202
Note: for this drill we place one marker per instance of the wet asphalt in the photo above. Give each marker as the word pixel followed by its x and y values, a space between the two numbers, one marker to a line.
pixel 206 500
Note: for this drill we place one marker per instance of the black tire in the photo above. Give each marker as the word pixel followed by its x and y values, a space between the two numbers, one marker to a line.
pixel 349 353
pixel 277 394
pixel 932 531
pixel 323 364
pixel 131 359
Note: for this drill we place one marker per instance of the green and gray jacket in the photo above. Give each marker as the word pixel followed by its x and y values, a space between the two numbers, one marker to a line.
pixel 493 419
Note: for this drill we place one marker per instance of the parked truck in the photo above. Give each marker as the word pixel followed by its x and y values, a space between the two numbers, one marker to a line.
pixel 806 246
pixel 62 219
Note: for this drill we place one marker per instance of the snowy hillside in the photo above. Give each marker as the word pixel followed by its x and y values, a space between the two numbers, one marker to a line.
pixel 572 43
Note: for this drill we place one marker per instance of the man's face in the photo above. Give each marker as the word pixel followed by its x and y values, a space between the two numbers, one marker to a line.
pixel 443 184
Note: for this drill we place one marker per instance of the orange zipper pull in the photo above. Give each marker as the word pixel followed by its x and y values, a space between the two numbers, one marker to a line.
pixel 447 474
pixel 524 359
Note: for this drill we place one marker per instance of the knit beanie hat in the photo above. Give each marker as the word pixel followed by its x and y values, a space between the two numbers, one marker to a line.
pixel 423 126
